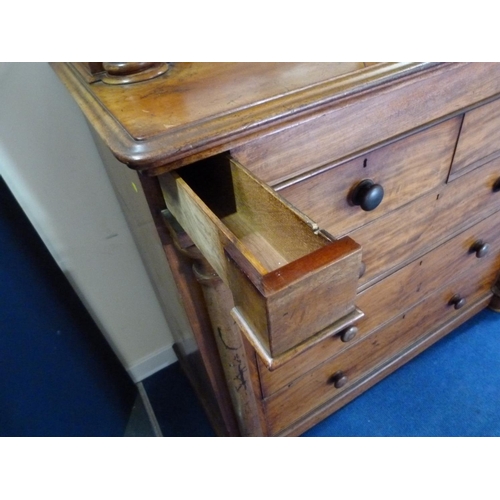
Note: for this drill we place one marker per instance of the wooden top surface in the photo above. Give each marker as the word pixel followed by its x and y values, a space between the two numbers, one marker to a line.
pixel 193 93
pixel 201 108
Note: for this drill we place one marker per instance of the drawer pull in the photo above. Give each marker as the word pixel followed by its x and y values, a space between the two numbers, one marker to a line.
pixel 338 380
pixel 457 302
pixel 348 334
pixel 367 195
pixel 480 248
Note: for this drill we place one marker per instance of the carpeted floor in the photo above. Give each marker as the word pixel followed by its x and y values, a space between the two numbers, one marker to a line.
pixel 58 376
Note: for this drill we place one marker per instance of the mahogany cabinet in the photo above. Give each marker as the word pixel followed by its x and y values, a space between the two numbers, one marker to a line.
pixel 323 222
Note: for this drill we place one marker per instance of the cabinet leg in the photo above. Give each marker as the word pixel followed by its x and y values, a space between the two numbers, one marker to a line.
pixel 232 350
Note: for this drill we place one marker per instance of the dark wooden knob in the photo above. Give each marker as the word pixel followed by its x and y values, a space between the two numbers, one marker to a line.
pixel 457 302
pixel 367 195
pixel 480 248
pixel 338 380
pixel 348 334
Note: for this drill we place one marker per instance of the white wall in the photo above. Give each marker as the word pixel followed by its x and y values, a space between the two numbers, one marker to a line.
pixel 50 162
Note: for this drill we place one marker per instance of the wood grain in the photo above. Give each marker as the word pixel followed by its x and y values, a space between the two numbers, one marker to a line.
pixel 406 170
pixel 189 115
pixel 259 212
pixel 479 139
pixel 300 299
pixel 315 388
pixel 286 295
pixel 365 383
pixel 368 120
pixel 272 363
pixel 312 131
pixel 232 352
pixel 398 292
pixel 428 222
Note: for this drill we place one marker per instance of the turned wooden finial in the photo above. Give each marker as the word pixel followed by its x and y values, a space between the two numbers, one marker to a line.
pixel 119 73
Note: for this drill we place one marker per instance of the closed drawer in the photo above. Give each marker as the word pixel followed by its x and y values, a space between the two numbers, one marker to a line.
pixel 479 139
pixel 339 130
pixel 401 236
pixel 288 281
pixel 333 377
pixel 399 172
pixel 475 250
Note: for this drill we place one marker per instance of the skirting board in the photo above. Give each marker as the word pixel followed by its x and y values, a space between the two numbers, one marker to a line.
pixel 151 364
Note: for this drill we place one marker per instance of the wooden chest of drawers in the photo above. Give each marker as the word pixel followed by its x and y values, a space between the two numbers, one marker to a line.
pixel 334 230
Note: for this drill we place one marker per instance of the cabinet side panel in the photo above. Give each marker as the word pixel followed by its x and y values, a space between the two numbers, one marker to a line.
pixel 182 304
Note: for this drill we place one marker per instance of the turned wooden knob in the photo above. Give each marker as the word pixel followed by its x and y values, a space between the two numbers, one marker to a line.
pixel 338 380
pixel 120 73
pixel 480 248
pixel 348 334
pixel 367 195
pixel 457 302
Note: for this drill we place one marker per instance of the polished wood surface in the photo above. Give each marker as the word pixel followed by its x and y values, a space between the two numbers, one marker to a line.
pixel 368 120
pixel 349 211
pixel 390 365
pixel 385 300
pixel 316 386
pixel 479 139
pixel 405 169
pixel 194 92
pixel 432 219
pixel 199 109
pixel 363 122
pixel 121 73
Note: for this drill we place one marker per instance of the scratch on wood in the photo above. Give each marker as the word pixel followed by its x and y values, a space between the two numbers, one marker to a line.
pixel 222 340
pixel 240 377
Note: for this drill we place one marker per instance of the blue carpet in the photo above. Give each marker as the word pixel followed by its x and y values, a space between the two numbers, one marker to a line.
pixel 58 376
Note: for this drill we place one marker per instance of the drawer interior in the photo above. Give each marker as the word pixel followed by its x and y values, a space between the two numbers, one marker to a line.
pixel 267 232
pixel 288 280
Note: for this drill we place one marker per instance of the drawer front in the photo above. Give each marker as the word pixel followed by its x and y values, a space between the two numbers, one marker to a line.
pixel 341 130
pixel 403 235
pixel 333 377
pixel 474 250
pixel 479 138
pixel 405 170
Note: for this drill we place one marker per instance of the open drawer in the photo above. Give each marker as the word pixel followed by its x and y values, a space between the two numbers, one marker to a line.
pixel 290 282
